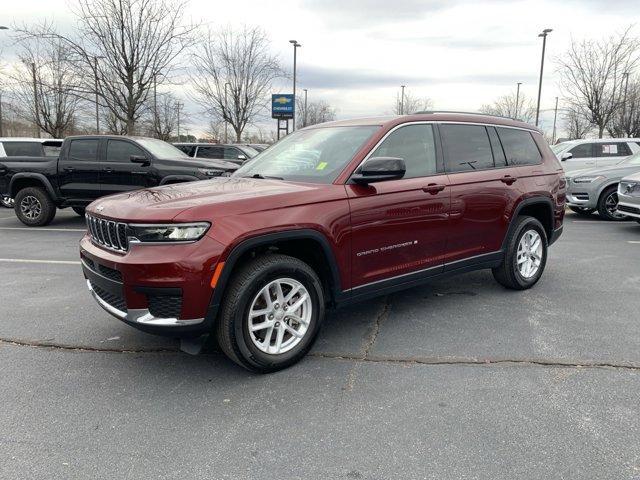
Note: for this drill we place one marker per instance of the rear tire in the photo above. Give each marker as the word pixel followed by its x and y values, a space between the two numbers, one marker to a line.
pixel 275 276
pixel 6 201
pixel 582 211
pixel 34 207
pixel 607 204
pixel 78 210
pixel 524 259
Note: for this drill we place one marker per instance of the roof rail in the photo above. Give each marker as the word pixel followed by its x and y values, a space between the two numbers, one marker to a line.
pixel 424 112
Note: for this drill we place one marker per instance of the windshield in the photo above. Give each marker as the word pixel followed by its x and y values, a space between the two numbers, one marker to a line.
pixel 632 160
pixel 250 152
pixel 317 155
pixel 559 147
pixel 160 149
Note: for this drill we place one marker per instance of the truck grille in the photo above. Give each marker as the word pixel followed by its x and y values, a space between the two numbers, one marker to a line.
pixel 107 233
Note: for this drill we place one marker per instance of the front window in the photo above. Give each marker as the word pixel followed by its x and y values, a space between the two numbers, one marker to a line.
pixel 317 155
pixel 161 150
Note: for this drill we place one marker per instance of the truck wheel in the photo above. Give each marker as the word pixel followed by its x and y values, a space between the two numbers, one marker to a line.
pixel 608 205
pixel 78 210
pixel 271 313
pixel 525 256
pixel 34 207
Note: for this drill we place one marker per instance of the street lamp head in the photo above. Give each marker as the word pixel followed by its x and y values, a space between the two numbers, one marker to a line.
pixel 2 27
pixel 295 43
pixel 545 32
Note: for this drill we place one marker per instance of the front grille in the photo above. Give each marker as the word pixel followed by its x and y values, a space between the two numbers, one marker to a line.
pixel 625 208
pixel 107 233
pixel 116 301
pixel 165 306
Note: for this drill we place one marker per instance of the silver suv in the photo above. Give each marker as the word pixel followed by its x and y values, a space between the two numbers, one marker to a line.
pixel 591 153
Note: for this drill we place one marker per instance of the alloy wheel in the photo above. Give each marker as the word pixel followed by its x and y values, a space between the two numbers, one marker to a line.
pixel 31 207
pixel 529 256
pixel 611 205
pixel 279 316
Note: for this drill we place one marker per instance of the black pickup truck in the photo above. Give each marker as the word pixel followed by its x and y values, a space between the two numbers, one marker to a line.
pixel 90 167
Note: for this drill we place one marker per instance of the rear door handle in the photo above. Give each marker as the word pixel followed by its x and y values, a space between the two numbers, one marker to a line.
pixel 508 179
pixel 433 188
pixel 107 169
pixel 69 169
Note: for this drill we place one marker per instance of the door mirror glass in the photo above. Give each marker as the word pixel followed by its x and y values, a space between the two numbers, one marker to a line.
pixel 379 169
pixel 566 156
pixel 140 159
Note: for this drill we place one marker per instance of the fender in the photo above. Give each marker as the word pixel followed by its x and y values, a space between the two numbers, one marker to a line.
pixel 299 234
pixel 34 176
pixel 525 203
pixel 178 179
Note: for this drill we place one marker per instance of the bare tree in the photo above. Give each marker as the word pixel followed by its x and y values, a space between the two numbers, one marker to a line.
pixel 412 104
pixel 505 106
pixel 123 47
pixel 576 123
pixel 626 123
pixel 232 76
pixel 315 112
pixel 163 116
pixel 591 74
pixel 44 85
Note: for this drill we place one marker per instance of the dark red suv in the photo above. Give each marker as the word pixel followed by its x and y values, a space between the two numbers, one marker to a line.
pixel 332 214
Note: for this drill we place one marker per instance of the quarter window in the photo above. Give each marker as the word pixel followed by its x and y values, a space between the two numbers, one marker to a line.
pixel 415 145
pixel 466 148
pixel 84 150
pixel 519 147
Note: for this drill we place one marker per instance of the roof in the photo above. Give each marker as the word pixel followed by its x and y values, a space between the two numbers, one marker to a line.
pixel 391 120
pixel 29 139
pixel 598 140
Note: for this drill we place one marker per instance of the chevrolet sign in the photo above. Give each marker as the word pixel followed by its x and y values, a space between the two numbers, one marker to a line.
pixel 282 106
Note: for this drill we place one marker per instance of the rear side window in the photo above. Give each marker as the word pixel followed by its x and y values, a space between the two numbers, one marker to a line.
pixel 519 147
pixel 121 151
pixel 84 150
pixel 584 150
pixel 617 149
pixel 415 145
pixel 496 147
pixel 210 152
pixel 466 148
pixel 23 149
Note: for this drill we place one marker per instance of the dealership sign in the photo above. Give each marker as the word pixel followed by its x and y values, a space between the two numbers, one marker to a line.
pixel 282 106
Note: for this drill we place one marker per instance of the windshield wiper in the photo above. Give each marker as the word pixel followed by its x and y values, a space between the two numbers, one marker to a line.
pixel 257 175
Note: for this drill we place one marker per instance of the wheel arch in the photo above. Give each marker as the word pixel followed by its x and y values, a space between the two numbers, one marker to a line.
pixel 25 180
pixel 540 208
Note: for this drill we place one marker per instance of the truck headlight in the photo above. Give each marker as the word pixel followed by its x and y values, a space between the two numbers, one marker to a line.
pixel 172 232
pixel 590 179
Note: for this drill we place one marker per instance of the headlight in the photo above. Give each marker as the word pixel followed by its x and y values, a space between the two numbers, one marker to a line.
pixel 210 172
pixel 173 232
pixel 587 179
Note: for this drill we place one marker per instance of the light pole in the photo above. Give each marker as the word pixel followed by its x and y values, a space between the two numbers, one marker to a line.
pixel 2 27
pixel 295 48
pixel 226 114
pixel 36 117
pixel 543 34
pixel 95 77
pixel 555 117
pixel 304 118
pixel 178 108
pixel 517 99
pixel 402 100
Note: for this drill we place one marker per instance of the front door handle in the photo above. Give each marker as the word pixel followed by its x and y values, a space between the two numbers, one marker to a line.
pixel 69 169
pixel 433 188
pixel 508 179
pixel 107 169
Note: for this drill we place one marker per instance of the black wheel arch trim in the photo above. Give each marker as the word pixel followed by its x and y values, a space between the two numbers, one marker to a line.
pixel 526 203
pixel 33 176
pixel 336 294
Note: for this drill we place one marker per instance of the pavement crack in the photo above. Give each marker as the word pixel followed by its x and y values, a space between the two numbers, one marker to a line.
pixel 79 348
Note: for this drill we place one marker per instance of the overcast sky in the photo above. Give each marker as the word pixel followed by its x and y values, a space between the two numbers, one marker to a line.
pixel 356 53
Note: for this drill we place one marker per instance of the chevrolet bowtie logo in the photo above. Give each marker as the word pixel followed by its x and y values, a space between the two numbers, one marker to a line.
pixel 282 100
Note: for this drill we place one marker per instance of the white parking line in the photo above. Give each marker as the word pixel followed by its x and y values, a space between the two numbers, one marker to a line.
pixel 37 229
pixel 633 241
pixel 26 260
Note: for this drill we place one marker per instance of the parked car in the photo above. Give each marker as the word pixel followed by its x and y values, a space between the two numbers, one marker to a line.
pixel 389 203
pixel 259 147
pixel 237 154
pixel 629 196
pixel 90 167
pixel 16 147
pixel 596 189
pixel 594 153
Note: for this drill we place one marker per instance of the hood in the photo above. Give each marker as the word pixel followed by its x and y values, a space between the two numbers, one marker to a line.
pixel 633 178
pixel 201 163
pixel 210 199
pixel 616 171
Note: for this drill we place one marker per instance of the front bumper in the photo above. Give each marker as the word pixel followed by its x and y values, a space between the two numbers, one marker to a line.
pixel 627 207
pixel 161 289
pixel 582 194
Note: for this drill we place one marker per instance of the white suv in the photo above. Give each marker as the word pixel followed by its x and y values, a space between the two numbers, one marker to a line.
pixel 591 153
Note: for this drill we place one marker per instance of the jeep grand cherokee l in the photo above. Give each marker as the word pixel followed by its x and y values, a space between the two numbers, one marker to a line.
pixel 332 214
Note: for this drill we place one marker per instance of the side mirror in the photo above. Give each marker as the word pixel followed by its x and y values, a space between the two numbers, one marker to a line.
pixel 242 157
pixel 140 159
pixel 379 169
pixel 566 156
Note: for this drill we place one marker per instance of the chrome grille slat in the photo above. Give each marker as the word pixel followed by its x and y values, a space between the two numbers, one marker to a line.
pixel 108 233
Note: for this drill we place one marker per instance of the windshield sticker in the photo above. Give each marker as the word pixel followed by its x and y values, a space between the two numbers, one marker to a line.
pixel 321 166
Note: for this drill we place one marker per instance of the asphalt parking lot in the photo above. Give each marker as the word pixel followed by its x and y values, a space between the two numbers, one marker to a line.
pixel 457 379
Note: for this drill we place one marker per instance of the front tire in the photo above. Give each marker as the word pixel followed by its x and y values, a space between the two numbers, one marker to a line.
pixel 272 312
pixel 582 211
pixel 525 256
pixel 608 205
pixel 34 207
